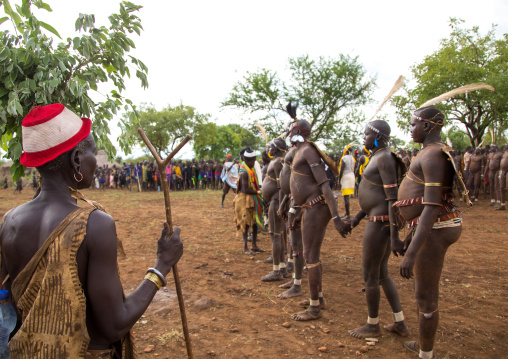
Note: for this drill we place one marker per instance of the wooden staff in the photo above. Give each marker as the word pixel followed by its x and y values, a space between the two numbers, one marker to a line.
pixel 162 170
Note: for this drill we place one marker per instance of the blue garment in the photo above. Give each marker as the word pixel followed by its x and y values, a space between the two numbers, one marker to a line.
pixel 7 323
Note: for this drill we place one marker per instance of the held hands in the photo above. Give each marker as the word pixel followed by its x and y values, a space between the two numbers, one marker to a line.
pixel 398 247
pixel 341 227
pixel 353 222
pixel 169 249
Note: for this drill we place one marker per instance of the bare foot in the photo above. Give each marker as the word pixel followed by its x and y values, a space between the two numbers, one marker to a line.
pixel 289 266
pixel 306 303
pixel 367 331
pixel 257 249
pixel 285 273
pixel 272 277
pixel 312 313
pixel 249 252
pixel 294 291
pixel 287 285
pixel 399 328
pixel 413 346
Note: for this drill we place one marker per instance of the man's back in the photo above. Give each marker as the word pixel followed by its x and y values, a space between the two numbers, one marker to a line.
pixel 25 229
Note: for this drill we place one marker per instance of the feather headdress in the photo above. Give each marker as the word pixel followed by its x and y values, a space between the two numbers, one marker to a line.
pixel 291 110
pixel 457 91
pixel 398 84
pixel 263 132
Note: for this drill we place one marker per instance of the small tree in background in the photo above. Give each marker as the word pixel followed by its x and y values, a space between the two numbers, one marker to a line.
pixel 164 128
pixel 211 141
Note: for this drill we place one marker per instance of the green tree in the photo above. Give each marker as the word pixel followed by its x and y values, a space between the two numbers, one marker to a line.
pixel 36 72
pixel 350 132
pixel 164 128
pixel 326 89
pixel 215 142
pixel 465 57
pixel 457 137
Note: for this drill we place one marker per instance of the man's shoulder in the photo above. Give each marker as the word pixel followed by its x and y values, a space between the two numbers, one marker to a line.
pixel 6 220
pixel 99 218
pixel 308 151
pixel 100 228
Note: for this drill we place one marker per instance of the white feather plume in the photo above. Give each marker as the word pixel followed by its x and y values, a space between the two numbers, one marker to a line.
pixel 457 91
pixel 398 84
pixel 263 132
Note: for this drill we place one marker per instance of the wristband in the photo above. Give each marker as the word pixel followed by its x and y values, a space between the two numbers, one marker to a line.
pixel 337 216
pixel 154 278
pixel 159 274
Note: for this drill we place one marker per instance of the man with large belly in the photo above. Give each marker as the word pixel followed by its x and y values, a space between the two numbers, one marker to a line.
pixel 425 202
pixel 377 194
pixel 271 189
pixel 502 179
pixel 311 191
pixel 293 215
pixel 476 167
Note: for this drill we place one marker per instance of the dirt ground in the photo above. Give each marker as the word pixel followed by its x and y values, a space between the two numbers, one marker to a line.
pixel 245 317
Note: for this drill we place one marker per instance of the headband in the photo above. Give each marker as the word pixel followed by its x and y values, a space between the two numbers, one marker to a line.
pixel 377 131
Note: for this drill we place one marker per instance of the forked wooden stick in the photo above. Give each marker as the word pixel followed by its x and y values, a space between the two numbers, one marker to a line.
pixel 165 186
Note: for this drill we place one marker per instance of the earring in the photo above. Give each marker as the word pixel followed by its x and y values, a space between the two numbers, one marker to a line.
pixel 78 180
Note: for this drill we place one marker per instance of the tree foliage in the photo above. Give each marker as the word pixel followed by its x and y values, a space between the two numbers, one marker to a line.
pixel 326 90
pixel 165 128
pixel 36 72
pixel 215 142
pixel 348 133
pixel 465 57
pixel 457 137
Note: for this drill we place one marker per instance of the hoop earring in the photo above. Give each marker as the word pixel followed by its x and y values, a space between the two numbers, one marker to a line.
pixel 78 180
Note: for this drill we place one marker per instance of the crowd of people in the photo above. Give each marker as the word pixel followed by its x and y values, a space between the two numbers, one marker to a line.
pixel 145 176
pixel 58 256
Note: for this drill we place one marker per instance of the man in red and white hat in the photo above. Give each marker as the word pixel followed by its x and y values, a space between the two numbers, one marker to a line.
pixel 50 131
pixel 60 259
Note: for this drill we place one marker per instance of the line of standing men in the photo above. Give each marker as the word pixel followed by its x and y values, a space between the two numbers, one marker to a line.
pixel 297 188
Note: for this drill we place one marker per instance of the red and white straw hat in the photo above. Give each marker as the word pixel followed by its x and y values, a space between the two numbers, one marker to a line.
pixel 49 131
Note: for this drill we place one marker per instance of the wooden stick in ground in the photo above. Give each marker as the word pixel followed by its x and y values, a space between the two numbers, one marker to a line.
pixel 165 186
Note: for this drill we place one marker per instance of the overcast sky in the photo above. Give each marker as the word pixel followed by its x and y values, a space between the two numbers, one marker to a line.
pixel 197 50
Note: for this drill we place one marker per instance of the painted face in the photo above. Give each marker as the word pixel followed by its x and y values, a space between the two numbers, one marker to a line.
pixel 295 134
